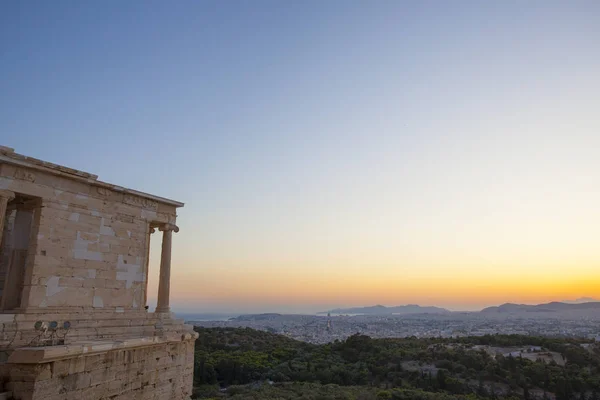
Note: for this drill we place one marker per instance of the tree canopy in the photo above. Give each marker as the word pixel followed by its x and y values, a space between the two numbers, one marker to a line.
pixel 234 362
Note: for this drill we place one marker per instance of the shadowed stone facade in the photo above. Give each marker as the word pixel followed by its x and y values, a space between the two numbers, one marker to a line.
pixel 74 259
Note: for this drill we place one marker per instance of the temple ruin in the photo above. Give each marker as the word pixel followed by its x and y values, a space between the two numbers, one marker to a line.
pixel 73 287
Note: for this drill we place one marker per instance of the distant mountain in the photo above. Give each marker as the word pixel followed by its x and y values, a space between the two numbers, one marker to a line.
pixel 581 300
pixel 379 309
pixel 548 307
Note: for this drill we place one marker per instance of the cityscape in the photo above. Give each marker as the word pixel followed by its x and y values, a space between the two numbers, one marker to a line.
pixel 320 329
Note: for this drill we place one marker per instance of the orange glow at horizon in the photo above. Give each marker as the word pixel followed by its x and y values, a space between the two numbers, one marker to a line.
pixel 454 289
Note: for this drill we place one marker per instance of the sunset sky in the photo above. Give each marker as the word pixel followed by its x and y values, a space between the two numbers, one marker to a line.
pixel 330 153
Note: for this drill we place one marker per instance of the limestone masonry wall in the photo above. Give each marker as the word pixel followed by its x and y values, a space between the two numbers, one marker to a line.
pixel 91 245
pixel 149 373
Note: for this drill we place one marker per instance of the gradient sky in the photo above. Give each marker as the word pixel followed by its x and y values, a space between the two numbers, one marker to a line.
pixel 332 153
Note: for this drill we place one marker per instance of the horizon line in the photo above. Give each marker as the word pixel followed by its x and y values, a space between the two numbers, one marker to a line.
pixel 581 300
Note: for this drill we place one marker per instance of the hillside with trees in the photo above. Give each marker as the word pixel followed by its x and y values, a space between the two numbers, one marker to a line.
pixel 241 363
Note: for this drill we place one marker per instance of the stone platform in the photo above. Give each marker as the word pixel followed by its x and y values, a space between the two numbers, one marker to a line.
pixel 135 368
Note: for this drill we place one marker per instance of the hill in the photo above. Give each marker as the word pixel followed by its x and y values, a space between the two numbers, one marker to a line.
pixel 581 300
pixel 379 309
pixel 542 308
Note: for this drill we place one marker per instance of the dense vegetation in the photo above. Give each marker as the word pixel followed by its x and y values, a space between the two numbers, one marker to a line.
pixel 260 365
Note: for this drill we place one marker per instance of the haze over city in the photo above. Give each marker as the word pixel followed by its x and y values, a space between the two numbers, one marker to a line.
pixel 330 155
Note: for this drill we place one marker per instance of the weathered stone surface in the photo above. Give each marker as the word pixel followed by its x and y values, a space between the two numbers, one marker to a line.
pixel 82 259
pixel 127 372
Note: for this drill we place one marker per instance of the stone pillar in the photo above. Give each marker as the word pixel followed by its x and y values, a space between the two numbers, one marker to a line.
pixel 164 283
pixel 5 197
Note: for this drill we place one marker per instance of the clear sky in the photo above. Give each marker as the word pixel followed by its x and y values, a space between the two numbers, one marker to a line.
pixel 330 153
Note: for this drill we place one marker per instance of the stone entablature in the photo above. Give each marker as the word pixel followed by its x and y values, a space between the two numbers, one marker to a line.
pixel 31 165
pixel 75 249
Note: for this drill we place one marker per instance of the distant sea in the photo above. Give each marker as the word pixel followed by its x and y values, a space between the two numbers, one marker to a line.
pixel 340 315
pixel 226 317
pixel 206 316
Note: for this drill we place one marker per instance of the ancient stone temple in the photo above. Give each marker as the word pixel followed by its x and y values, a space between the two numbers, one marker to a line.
pixel 73 287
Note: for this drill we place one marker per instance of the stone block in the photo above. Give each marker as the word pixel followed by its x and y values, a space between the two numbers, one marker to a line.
pixel 77 381
pixel 35 295
pixel 23 373
pixel 110 258
pixel 115 387
pixel 84 254
pixel 119 249
pixel 103 376
pixel 60 369
pixel 21 390
pixel 46 388
pixel 90 220
pixel 49 250
pixel 74 263
pixel 98 265
pixel 70 282
pixel 91 237
pixel 31 189
pixel 99 247
pixel 70 296
pixel 114 284
pixel 94 283
pixel 43 371
pixel 81 273
pixel 124 209
pixel 93 392
pixel 95 362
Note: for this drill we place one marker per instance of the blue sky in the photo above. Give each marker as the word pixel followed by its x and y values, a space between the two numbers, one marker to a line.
pixel 323 144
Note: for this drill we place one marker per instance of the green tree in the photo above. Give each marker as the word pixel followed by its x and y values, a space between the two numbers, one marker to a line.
pixel 441 379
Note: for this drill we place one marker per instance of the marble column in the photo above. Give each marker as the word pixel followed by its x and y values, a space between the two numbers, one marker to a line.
pixel 5 197
pixel 164 283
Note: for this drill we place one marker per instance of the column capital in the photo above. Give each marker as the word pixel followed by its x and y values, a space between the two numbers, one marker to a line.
pixel 168 227
pixel 7 194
